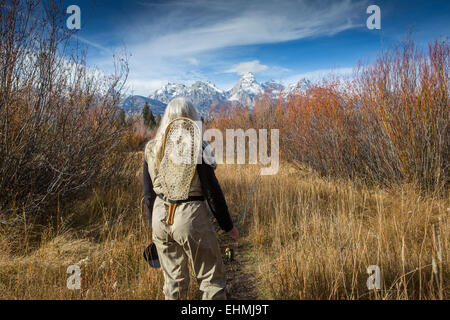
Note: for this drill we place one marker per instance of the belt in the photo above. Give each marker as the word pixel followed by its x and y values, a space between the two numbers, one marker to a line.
pixel 190 198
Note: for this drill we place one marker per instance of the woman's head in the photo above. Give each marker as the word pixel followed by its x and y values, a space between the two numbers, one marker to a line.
pixel 178 107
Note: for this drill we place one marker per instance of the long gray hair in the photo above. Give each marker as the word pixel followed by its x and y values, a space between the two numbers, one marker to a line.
pixel 180 107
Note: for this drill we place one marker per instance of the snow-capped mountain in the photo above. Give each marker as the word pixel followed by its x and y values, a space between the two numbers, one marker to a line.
pixel 296 88
pixel 205 94
pixel 272 88
pixel 134 104
pixel 169 91
pixel 201 94
pixel 245 90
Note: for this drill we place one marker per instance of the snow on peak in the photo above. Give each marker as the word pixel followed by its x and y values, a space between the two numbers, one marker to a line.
pixel 248 76
pixel 300 86
pixel 203 94
pixel 245 90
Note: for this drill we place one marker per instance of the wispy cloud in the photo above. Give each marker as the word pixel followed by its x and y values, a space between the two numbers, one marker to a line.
pixel 178 40
pixel 92 43
pixel 238 23
pixel 248 66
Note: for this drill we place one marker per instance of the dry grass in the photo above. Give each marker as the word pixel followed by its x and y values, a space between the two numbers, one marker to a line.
pixel 314 238
pixel 309 238
pixel 105 235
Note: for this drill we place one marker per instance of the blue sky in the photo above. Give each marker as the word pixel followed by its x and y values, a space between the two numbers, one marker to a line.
pixel 185 41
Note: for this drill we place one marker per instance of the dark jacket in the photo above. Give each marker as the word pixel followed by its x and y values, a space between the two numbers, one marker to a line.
pixel 211 191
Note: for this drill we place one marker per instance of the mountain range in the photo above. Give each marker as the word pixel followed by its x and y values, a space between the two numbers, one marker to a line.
pixel 205 94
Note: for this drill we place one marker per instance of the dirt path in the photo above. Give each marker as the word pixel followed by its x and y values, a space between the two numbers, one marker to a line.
pixel 241 280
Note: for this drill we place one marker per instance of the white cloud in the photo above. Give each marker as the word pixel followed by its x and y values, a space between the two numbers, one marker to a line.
pixel 249 66
pixel 193 61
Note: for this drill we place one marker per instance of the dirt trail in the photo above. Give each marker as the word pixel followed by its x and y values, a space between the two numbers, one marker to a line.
pixel 241 280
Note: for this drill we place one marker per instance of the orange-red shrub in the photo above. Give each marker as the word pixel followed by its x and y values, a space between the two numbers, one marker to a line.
pixel 389 123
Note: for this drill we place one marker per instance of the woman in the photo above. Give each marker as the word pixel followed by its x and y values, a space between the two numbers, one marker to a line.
pixel 191 237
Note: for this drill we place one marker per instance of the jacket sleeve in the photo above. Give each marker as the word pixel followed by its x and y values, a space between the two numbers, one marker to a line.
pixel 149 193
pixel 214 196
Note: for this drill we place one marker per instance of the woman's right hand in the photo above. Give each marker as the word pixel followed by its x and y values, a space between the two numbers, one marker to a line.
pixel 234 234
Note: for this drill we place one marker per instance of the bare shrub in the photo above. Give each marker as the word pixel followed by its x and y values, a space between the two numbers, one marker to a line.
pixel 387 125
pixel 404 100
pixel 58 118
pixel 136 135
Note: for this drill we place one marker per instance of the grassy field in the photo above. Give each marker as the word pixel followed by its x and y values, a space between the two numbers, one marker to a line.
pixel 314 238
pixel 303 237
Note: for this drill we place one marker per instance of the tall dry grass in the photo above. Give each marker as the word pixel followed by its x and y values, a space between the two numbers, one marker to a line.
pixel 104 235
pixel 314 238
pixel 304 236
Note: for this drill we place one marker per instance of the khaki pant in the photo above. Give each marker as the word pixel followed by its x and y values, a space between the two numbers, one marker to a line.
pixel 191 237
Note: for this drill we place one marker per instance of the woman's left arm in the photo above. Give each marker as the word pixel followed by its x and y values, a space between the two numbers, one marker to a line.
pixel 214 196
pixel 149 193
